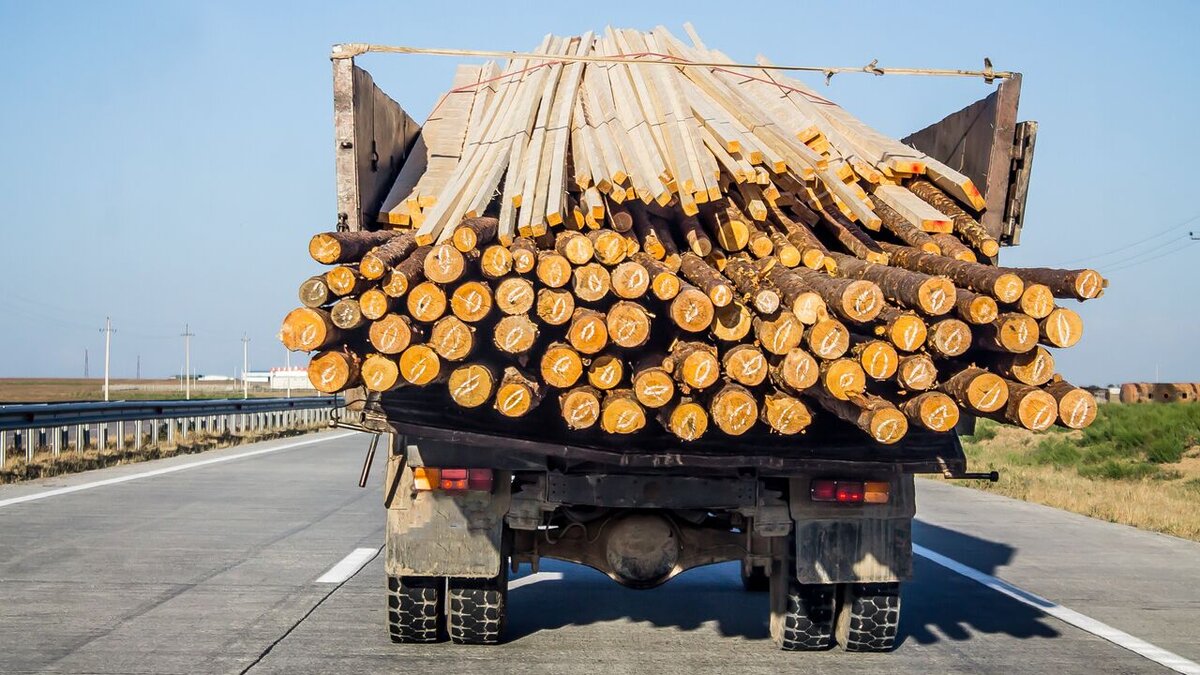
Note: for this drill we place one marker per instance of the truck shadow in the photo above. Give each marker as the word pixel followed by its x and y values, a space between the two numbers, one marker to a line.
pixel 937 604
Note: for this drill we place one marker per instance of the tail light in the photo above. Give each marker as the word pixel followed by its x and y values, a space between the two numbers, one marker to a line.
pixel 850 491
pixel 429 479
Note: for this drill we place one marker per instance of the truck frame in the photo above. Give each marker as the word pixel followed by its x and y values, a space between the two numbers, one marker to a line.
pixel 823 523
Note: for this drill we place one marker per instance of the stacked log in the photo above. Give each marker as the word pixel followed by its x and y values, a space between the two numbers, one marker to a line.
pixel 701 248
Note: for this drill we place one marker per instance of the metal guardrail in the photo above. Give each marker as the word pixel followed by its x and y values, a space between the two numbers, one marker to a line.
pixel 27 427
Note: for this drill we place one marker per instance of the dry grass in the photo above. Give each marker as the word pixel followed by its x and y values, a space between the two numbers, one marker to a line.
pixel 47 390
pixel 1078 473
pixel 45 464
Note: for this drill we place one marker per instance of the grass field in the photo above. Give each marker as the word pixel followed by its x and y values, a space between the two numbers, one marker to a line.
pixel 45 390
pixel 1137 464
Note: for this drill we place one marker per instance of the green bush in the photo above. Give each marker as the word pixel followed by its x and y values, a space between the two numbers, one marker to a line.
pixel 1057 452
pixel 1117 470
pixel 985 430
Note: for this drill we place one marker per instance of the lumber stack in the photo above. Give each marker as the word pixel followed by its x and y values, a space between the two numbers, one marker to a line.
pixel 709 249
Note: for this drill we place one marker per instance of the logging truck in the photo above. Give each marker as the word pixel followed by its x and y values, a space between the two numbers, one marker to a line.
pixel 822 523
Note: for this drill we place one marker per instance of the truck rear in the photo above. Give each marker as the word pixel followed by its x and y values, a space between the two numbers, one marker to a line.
pixel 820 522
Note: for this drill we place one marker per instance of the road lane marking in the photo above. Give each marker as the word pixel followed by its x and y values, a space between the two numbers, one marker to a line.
pixel 533 579
pixel 159 472
pixel 349 566
pixel 1081 621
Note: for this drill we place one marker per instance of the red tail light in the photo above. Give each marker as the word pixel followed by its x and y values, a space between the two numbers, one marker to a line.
pixel 427 479
pixel 849 491
pixel 480 479
pixel 454 479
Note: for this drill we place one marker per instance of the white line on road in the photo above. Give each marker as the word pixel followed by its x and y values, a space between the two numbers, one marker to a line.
pixel 534 578
pixel 348 567
pixel 1083 622
pixel 159 472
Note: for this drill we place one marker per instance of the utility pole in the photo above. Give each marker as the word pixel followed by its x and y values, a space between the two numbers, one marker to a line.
pixel 85 363
pixel 187 336
pixel 245 365
pixel 138 371
pixel 287 357
pixel 108 330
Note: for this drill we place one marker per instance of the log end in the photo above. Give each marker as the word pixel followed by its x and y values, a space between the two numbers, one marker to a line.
pixel 1077 409
pixel 1063 327
pixel 420 365
pixel 1008 287
pixel 471 385
pixel 580 408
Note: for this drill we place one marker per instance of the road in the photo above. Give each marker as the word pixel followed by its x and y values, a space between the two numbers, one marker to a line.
pixel 211 564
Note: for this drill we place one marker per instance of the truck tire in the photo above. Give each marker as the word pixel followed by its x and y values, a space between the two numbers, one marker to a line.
pixel 414 608
pixel 476 609
pixel 802 614
pixel 869 617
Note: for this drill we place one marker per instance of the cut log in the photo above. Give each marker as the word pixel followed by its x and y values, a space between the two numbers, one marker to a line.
pixel 333 248
pixel 380 372
pixel 553 270
pixel 691 309
pixel 977 390
pixel 407 273
pixel 376 262
pixel 828 339
pixel 786 253
pixel 734 409
pixel 314 292
pixel 748 281
pixel 444 264
pixel 949 338
pixel 1061 328
pixel 1004 285
pixel 842 377
pixel 653 387
pixel 334 370
pixel 878 359
pixel 1028 407
pixel 392 333
pixel 687 419
pixel 592 282
pixel 420 365
pixel 1034 367
pixel 471 385
pixel 974 308
pixel 606 372
pixel 953 248
pixel 561 366
pixel 905 231
pixel 694 235
pixel 306 329
pixel 588 332
pixel 964 225
pixel 746 365
pixel 732 322
pixel 575 247
pixel 931 410
pixel 524 255
pixel 515 334
pixel 555 306
pixel 346 314
pixel 779 333
pixel 473 233
pixel 630 280
pixel 517 393
pixel 344 280
pixel 878 417
pixel 917 372
pixel 933 295
pixel 628 324
pixel 663 282
pixel 694 269
pixel 515 295
pixel 580 407
pixel 1011 332
pixel 796 371
pixel 693 365
pixel 374 303
pixel 905 330
pixel 607 246
pixel 1037 301
pixel 451 338
pixel 851 299
pixel 1076 407
pixel 495 262
pixel 426 302
pixel 472 300
pixel 1082 284
pixel 620 413
pixel 785 414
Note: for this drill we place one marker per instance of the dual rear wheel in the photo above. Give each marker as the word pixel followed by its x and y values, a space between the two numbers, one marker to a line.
pixel 811 617
pixel 430 609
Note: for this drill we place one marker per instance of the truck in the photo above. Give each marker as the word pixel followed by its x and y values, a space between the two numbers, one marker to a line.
pixel 822 524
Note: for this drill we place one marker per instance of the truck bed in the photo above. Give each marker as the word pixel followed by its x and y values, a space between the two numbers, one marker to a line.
pixel 828 445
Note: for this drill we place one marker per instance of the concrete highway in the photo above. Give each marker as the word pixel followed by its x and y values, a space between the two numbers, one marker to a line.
pixel 230 561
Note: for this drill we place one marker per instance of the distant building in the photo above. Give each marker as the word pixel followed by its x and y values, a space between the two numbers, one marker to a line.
pixel 214 378
pixel 284 378
pixel 258 376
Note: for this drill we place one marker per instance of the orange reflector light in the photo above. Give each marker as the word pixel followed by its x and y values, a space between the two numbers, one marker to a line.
pixel 425 479
pixel 876 492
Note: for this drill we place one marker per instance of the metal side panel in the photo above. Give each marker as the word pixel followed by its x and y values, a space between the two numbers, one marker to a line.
pixel 979 142
pixel 445 535
pixel 372 137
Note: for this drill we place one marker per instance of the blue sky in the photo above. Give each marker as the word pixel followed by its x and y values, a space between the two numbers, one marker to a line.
pixel 165 163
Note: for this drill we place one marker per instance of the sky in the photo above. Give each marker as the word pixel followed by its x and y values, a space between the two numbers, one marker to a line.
pixel 164 163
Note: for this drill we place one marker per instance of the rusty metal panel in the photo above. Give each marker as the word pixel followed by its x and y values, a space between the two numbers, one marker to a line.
pixel 854 551
pixel 447 535
pixel 978 142
pixel 1018 189
pixel 372 137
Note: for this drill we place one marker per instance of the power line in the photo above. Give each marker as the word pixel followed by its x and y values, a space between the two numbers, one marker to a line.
pixel 1139 242
pixel 1170 243
pixel 1152 258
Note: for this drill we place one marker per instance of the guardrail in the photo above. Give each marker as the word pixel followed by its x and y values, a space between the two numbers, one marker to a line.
pixel 65 426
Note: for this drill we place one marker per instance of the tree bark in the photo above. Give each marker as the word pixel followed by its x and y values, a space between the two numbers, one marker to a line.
pixel 407 273
pixel 335 248
pixel 964 225
pixel 376 262
pixel 874 415
pixel 999 283
pixel 472 233
pixel 933 295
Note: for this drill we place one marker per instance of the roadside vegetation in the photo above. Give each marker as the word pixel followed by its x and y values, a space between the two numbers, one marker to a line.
pixel 1137 464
